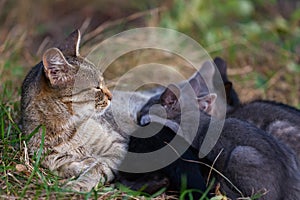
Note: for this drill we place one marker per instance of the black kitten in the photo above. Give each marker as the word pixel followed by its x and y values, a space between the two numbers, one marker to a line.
pixel 174 175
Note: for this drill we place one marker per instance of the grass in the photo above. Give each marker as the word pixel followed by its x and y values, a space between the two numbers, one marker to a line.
pixel 248 34
pixel 258 39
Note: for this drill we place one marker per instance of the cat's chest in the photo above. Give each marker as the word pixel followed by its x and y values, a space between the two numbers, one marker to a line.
pixel 90 137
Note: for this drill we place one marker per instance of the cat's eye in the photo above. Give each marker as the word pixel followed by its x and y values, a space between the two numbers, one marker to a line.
pixel 98 88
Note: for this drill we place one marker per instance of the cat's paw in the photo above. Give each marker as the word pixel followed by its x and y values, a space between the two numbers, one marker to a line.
pixel 79 186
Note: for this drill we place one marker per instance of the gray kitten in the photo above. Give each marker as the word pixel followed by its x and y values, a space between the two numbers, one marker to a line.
pixel 251 159
pixel 277 119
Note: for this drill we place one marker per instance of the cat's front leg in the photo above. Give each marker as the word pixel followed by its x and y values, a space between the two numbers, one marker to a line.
pixel 80 169
pixel 96 173
pixel 74 169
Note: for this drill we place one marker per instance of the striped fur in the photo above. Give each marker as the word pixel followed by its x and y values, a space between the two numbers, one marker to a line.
pixel 67 95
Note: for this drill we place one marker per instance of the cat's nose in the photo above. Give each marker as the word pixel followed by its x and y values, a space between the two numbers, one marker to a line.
pixel 107 92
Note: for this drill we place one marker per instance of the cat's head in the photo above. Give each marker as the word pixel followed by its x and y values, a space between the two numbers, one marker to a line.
pixel 68 83
pixel 74 78
pixel 200 88
pixel 176 99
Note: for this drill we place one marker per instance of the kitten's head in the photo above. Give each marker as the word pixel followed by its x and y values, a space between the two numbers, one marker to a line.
pixel 65 84
pixel 176 99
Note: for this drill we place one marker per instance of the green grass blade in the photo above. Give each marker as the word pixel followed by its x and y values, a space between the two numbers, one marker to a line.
pixel 37 162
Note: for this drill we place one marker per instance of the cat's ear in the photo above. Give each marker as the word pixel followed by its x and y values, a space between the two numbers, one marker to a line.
pixel 222 67
pixel 70 46
pixel 170 96
pixel 202 79
pixel 57 69
pixel 206 102
pixel 228 89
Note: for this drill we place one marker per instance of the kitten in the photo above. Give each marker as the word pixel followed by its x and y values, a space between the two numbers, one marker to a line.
pixel 248 153
pixel 155 137
pixel 66 94
pixel 277 119
pixel 205 98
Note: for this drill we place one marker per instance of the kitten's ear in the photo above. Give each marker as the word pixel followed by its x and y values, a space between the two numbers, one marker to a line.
pixel 222 67
pixel 231 96
pixel 206 102
pixel 57 69
pixel 228 88
pixel 70 47
pixel 198 80
pixel 170 96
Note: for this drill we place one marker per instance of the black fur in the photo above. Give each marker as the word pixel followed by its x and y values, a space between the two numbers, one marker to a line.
pixel 171 175
pixel 231 95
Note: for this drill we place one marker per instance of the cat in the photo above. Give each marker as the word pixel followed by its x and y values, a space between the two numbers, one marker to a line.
pixel 277 119
pixel 205 98
pixel 154 137
pixel 66 94
pixel 250 158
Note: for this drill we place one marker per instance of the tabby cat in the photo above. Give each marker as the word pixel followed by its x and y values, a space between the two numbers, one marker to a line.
pixel 66 94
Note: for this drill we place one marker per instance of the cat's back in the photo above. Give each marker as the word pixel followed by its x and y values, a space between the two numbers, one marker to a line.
pixel 250 156
pixel 277 119
pixel 31 93
pixel 30 86
pixel 265 112
pixel 278 105
pixel 241 132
